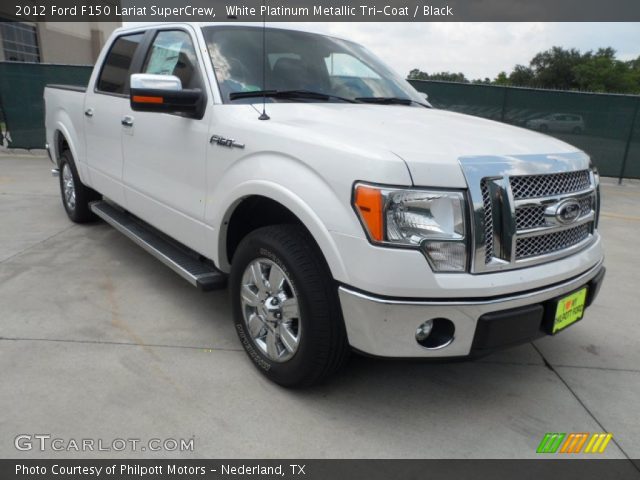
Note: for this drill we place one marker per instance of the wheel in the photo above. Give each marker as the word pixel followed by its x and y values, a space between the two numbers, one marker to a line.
pixel 285 306
pixel 75 196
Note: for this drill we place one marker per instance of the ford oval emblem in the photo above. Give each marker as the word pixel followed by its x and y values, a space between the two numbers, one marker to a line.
pixel 567 211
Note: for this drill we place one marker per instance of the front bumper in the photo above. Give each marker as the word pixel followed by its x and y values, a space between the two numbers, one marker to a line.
pixel 386 327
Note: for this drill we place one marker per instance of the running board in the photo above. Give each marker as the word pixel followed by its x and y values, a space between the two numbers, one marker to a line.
pixel 179 258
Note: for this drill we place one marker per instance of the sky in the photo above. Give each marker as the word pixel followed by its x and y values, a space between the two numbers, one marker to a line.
pixel 478 50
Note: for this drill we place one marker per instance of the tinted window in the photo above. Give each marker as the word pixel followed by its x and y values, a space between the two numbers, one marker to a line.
pixel 172 53
pixel 298 61
pixel 115 71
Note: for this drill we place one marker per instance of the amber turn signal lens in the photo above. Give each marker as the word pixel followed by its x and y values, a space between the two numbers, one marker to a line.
pixel 368 201
pixel 145 99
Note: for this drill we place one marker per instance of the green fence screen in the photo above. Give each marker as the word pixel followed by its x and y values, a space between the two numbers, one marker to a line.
pixel 21 90
pixel 605 126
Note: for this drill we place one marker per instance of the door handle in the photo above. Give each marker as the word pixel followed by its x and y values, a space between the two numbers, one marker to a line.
pixel 88 112
pixel 127 121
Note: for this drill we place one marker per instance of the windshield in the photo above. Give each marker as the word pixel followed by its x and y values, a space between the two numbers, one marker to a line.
pixel 299 61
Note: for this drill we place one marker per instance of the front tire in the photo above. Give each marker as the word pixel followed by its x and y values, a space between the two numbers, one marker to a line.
pixel 285 306
pixel 75 196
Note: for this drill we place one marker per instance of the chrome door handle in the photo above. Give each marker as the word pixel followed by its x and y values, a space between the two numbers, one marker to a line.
pixel 127 121
pixel 88 112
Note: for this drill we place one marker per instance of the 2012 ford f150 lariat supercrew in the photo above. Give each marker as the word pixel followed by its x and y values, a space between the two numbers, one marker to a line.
pixel 342 211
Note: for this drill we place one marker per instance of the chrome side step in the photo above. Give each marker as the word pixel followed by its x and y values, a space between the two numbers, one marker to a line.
pixel 181 259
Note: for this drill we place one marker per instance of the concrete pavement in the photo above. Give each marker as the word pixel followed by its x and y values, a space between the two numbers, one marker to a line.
pixel 99 340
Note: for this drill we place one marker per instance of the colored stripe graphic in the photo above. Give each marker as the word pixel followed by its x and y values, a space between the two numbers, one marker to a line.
pixel 598 443
pixel 550 442
pixel 554 442
pixel 574 443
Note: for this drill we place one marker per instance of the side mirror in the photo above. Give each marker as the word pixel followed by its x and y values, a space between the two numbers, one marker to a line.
pixel 164 93
pixel 425 95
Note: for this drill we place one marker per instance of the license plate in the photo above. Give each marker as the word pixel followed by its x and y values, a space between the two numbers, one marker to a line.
pixel 569 310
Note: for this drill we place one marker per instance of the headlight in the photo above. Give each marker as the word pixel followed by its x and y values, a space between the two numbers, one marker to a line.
pixel 430 220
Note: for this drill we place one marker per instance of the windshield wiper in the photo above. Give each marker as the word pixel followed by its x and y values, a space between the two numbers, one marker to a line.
pixel 289 94
pixel 390 101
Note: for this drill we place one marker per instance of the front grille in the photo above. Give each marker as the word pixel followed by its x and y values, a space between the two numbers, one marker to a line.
pixel 586 204
pixel 536 186
pixel 529 217
pixel 551 242
pixel 521 215
pixel 533 194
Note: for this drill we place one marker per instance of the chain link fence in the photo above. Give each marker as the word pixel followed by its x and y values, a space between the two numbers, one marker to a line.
pixel 606 126
pixel 21 98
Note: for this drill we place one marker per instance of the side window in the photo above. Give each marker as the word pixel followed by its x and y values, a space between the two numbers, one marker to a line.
pixel 345 65
pixel 115 70
pixel 173 53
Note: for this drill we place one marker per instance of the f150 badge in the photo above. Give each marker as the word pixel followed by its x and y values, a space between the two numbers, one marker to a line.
pixel 225 142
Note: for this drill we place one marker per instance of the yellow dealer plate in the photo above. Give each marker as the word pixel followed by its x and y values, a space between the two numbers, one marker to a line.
pixel 569 310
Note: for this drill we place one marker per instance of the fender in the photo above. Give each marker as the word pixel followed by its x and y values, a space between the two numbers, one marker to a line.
pixel 71 136
pixel 322 210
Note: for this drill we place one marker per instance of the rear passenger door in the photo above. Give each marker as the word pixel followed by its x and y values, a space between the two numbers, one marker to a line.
pixel 165 153
pixel 104 105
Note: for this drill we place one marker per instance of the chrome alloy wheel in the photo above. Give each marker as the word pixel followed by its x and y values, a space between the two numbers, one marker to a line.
pixel 270 310
pixel 68 187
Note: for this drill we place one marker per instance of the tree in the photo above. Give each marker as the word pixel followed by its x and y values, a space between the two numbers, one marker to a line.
pixel 501 79
pixel 417 74
pixel 601 72
pixel 562 69
pixel 554 68
pixel 522 76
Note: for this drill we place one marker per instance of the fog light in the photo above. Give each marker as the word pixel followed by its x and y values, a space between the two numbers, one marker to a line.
pixel 424 330
pixel 435 333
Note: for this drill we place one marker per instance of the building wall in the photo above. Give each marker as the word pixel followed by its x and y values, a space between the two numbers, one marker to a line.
pixel 77 43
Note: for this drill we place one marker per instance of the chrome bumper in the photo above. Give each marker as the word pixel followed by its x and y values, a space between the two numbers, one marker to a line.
pixel 387 327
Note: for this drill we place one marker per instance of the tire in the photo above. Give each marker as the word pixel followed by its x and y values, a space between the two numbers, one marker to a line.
pixel 75 196
pixel 311 343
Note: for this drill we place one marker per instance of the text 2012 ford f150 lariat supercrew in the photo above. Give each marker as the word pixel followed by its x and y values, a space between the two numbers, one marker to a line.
pixel 341 209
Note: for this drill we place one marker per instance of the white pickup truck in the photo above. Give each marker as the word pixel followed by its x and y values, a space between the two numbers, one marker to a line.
pixel 341 209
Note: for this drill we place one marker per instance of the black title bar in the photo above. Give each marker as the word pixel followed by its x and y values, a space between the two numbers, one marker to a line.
pixel 318 469
pixel 321 10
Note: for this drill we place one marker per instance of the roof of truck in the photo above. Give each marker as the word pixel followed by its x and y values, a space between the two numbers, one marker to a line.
pixel 145 25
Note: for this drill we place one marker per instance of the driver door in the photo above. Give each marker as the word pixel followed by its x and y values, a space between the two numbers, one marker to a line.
pixel 165 153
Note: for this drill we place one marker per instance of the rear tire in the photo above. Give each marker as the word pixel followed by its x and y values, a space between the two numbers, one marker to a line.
pixel 304 341
pixel 75 196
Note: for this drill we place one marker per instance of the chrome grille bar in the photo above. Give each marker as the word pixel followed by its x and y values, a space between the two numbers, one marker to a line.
pixel 534 186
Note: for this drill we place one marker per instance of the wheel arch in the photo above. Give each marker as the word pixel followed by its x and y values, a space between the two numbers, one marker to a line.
pixel 270 206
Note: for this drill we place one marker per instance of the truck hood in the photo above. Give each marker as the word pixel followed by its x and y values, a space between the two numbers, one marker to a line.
pixel 430 141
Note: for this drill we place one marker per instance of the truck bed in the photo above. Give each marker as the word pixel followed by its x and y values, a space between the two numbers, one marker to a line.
pixel 64 112
pixel 73 88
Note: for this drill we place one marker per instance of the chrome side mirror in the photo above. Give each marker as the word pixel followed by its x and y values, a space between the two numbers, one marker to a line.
pixel 147 81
